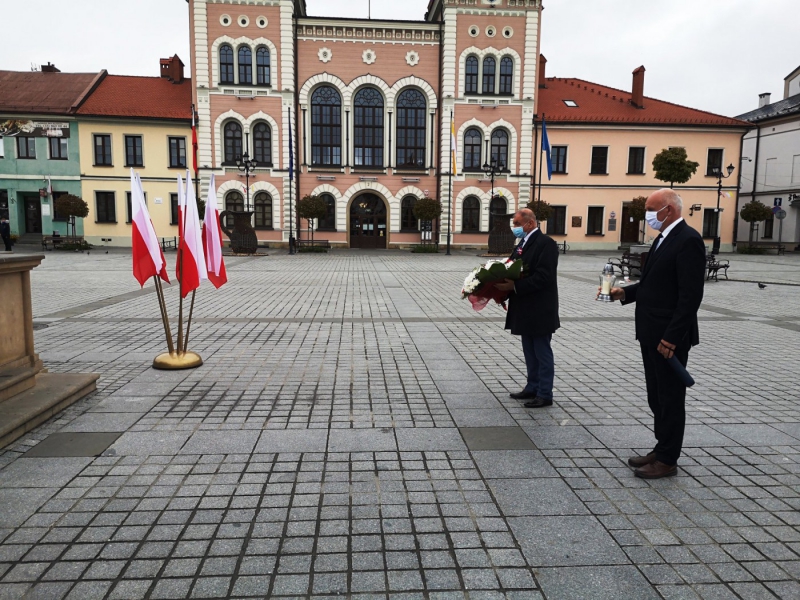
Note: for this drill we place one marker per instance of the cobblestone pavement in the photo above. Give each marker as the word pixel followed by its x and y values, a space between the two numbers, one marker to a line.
pixel 351 434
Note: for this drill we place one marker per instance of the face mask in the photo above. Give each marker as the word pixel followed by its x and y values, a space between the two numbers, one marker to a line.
pixel 651 216
pixel 518 232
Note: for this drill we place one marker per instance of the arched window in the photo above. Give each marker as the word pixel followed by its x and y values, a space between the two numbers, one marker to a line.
pixel 234 202
pixel 326 127
pixel 489 65
pixel 471 215
pixel 262 144
pixel 232 135
pixel 471 75
pixel 328 222
pixel 262 204
pixel 245 65
pixel 507 75
pixel 411 129
pixel 408 222
pixel 472 149
pixel 497 207
pixel 225 64
pixel 500 148
pixel 368 128
pixel 262 66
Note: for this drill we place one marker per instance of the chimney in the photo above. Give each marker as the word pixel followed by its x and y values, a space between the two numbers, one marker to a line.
pixel 637 96
pixel 172 69
pixel 763 99
pixel 48 68
pixel 542 70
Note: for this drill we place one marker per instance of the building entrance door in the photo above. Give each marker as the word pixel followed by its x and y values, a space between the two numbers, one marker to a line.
pixel 629 233
pixel 33 214
pixel 368 222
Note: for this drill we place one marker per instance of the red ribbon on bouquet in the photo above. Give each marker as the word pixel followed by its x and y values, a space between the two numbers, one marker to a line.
pixel 488 291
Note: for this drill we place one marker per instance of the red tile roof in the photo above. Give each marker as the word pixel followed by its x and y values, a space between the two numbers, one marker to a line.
pixel 44 93
pixel 601 104
pixel 140 97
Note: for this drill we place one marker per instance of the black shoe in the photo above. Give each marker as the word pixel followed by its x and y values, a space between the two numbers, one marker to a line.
pixel 523 395
pixel 539 402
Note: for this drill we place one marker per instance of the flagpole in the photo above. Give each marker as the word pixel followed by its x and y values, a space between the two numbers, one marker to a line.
pixel 189 322
pixel 291 185
pixel 541 164
pixel 180 282
pixel 450 186
pixel 164 314
pixel 533 172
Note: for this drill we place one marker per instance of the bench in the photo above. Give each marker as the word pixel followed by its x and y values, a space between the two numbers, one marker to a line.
pixel 49 242
pixel 714 266
pixel 627 264
pixel 169 244
pixel 780 249
pixel 313 243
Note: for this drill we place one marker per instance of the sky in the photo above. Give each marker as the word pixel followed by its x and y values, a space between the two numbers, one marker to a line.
pixel 715 55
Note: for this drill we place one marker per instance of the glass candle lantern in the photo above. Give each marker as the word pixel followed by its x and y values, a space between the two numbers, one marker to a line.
pixel 607 281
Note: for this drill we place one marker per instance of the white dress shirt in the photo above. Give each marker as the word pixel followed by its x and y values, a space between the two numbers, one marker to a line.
pixel 665 233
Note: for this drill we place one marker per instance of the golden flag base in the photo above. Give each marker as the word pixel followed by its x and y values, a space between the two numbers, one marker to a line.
pixel 174 361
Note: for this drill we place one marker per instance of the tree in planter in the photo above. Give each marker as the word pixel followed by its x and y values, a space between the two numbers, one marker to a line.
pixel 427 210
pixel 754 212
pixel 71 207
pixel 636 211
pixel 541 209
pixel 310 208
pixel 673 166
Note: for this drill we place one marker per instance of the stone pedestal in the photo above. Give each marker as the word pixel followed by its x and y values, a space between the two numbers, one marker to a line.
pixel 28 395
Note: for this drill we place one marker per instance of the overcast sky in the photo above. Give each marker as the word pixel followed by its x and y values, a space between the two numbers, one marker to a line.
pixel 716 55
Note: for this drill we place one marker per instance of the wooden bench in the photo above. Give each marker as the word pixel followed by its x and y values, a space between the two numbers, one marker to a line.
pixel 169 244
pixel 313 243
pixel 714 266
pixel 49 242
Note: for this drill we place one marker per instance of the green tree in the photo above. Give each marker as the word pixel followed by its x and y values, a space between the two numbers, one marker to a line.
pixel 427 210
pixel 541 209
pixel 754 212
pixel 673 166
pixel 310 208
pixel 636 211
pixel 71 207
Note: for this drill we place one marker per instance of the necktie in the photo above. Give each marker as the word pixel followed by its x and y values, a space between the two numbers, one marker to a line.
pixel 657 243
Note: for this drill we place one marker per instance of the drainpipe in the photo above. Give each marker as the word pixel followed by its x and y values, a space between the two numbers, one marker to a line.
pixel 738 189
pixel 442 113
pixel 296 141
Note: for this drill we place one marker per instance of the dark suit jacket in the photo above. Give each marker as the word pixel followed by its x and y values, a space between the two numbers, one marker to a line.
pixel 670 291
pixel 533 306
pixel 5 230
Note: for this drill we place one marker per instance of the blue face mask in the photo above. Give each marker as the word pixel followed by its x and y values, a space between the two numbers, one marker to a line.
pixel 518 232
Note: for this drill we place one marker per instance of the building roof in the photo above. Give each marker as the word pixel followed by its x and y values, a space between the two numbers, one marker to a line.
pixel 42 92
pixel 601 104
pixel 782 108
pixel 140 97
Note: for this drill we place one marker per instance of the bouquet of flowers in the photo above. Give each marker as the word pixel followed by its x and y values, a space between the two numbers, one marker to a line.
pixel 480 284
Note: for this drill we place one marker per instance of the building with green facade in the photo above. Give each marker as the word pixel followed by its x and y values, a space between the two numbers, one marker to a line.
pixel 39 150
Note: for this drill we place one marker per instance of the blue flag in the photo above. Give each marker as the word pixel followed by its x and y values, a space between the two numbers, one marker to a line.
pixel 546 148
pixel 291 148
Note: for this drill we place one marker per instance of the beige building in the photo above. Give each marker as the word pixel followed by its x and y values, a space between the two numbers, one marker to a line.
pixel 142 123
pixel 603 143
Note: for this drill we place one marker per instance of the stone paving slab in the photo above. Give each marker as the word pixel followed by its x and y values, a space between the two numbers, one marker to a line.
pixel 356 437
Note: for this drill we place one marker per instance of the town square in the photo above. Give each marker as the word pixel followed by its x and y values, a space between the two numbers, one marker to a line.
pixel 372 302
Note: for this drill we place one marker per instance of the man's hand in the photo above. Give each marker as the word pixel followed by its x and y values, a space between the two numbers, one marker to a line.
pixel 616 293
pixel 507 285
pixel 666 349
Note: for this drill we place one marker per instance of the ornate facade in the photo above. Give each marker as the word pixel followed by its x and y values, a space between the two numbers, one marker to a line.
pixel 370 104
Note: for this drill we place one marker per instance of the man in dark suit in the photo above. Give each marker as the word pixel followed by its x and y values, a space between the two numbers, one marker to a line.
pixel 533 307
pixel 5 232
pixel 667 298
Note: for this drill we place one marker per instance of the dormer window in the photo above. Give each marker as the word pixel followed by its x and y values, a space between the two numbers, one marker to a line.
pixel 571 103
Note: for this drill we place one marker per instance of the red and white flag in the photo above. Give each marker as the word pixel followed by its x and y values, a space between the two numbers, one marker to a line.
pixel 148 259
pixel 181 204
pixel 212 239
pixel 191 256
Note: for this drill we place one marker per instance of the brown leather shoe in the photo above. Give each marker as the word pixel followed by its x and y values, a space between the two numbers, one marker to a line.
pixel 656 470
pixel 640 461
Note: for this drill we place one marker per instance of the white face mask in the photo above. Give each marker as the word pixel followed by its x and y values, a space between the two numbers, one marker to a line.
pixel 651 216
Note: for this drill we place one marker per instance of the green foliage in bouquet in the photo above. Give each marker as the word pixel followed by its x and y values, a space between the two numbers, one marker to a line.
pixel 498 271
pixel 427 209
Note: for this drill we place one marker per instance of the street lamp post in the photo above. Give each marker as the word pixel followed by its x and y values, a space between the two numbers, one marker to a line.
pixel 717 172
pixel 246 165
pixel 493 169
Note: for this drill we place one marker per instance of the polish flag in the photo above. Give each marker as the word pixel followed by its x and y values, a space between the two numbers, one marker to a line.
pixel 148 259
pixel 193 261
pixel 181 205
pixel 212 239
